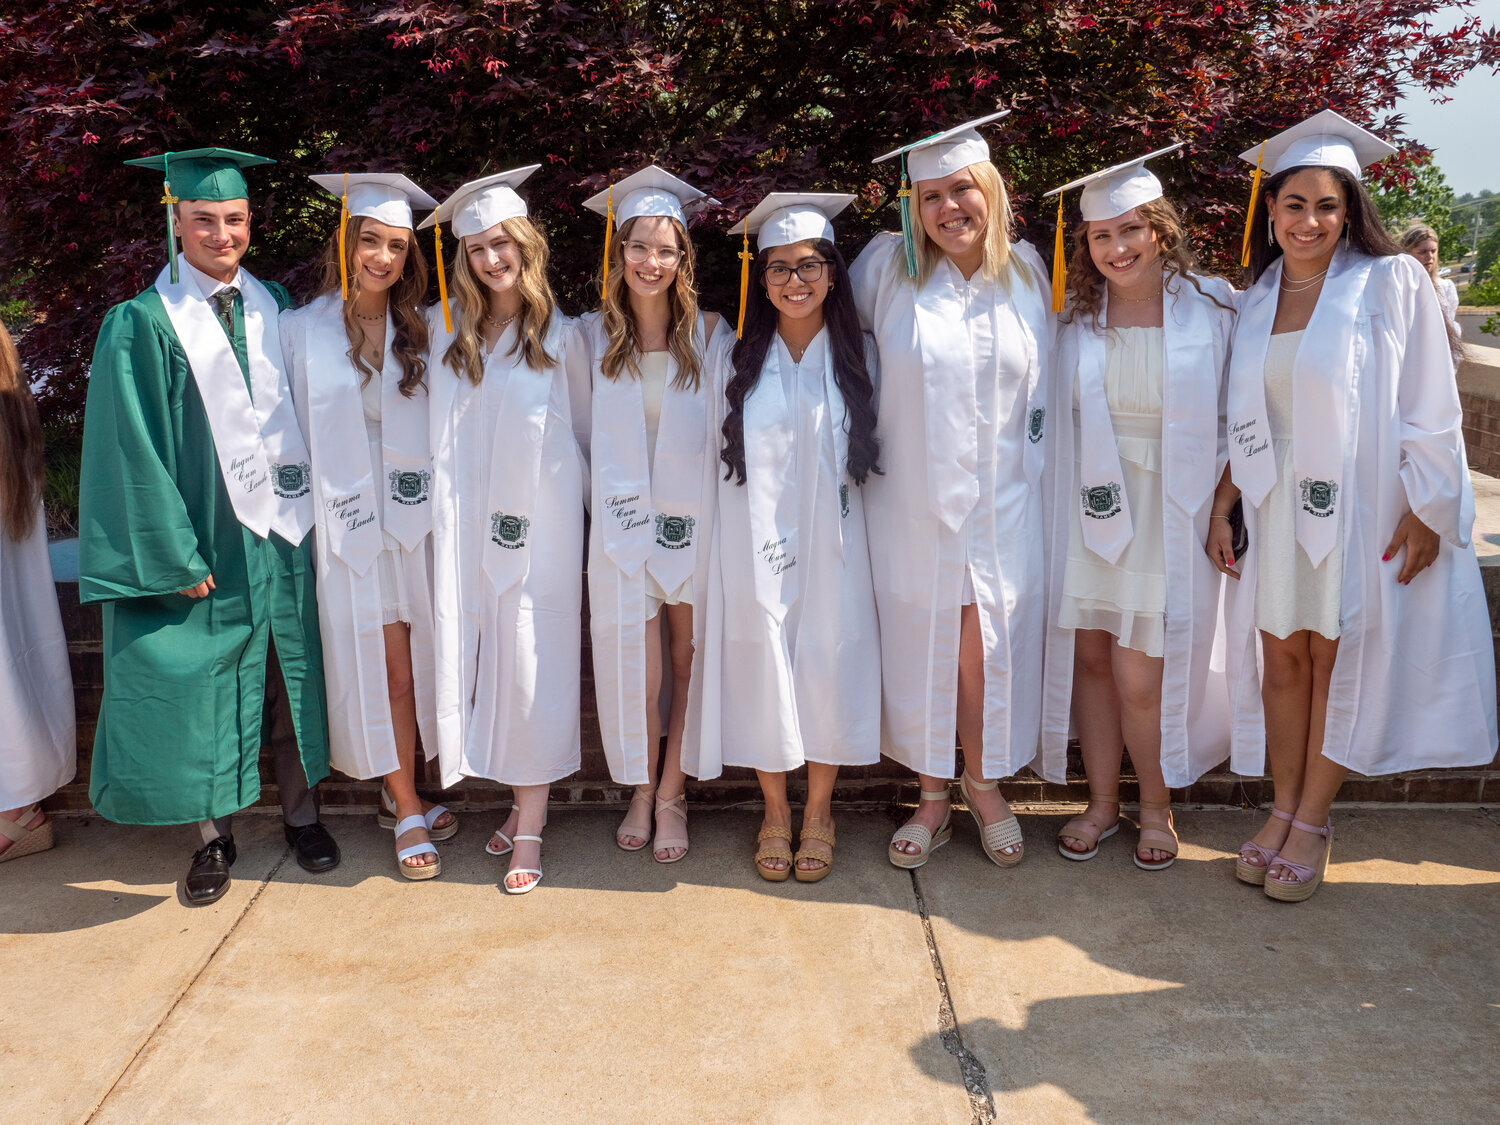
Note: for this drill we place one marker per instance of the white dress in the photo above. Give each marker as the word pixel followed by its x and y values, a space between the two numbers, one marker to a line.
pixel 38 743
pixel 1127 598
pixel 655 367
pixel 1291 594
pixel 395 605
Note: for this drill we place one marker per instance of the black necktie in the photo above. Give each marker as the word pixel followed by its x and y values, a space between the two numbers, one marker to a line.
pixel 223 302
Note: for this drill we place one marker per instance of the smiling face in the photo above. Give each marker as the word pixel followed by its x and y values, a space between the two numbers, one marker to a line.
pixel 651 253
pixel 1125 250
pixel 1307 215
pixel 791 296
pixel 494 258
pixel 379 255
pixel 215 234
pixel 955 215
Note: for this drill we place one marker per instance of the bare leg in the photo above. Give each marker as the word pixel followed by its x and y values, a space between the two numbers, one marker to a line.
pixel 1321 778
pixel 819 809
pixel 778 810
pixel 402 784
pixel 629 835
pixel 1138 680
pixel 991 806
pixel 673 780
pixel 1286 694
pixel 1096 716
pixel 531 818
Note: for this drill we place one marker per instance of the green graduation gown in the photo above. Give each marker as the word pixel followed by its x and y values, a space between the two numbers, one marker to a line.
pixel 179 732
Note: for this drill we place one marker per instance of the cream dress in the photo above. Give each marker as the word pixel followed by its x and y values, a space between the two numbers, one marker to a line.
pixel 1127 598
pixel 1290 593
pixel 654 366
pixel 395 604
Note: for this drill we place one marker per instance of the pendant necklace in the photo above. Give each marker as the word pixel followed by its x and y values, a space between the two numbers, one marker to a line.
pixel 1135 300
pixel 493 323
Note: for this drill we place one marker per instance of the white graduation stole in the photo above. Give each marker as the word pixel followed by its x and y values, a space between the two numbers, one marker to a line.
pixel 1321 376
pixel 515 468
pixel 650 517
pixel 1104 507
pixel 263 460
pixel 406 456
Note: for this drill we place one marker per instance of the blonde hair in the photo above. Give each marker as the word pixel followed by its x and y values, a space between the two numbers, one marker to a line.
pixel 403 299
pixel 466 354
pixel 1416 234
pixel 21 466
pixel 998 263
pixel 621 330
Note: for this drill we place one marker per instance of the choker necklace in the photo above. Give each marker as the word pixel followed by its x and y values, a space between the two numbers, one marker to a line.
pixel 1302 285
pixel 362 316
pixel 1135 300
pixel 493 323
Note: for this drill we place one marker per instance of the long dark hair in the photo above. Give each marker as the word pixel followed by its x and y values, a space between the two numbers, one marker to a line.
pixel 1366 233
pixel 21 466
pixel 846 342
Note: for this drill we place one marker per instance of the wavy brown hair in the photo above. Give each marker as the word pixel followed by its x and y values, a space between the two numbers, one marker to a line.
pixel 404 300
pixel 466 354
pixel 621 330
pixel 21 467
pixel 1087 284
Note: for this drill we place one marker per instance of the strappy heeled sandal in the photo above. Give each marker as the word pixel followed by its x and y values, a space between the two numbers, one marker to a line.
pixel 927 842
pixel 1160 839
pixel 419 871
pixel 820 849
pixel 773 841
pixel 1304 879
pixel 499 834
pixel 23 840
pixel 677 806
pixel 639 828
pixel 525 888
pixel 1083 827
pixel 992 837
pixel 386 818
pixel 1253 873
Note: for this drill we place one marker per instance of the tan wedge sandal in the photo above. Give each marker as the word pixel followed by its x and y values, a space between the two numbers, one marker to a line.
pixel 927 842
pixel 773 841
pixel 816 843
pixel 993 837
pixel 23 840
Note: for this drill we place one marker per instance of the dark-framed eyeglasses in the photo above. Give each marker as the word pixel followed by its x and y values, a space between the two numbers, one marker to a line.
pixel 807 272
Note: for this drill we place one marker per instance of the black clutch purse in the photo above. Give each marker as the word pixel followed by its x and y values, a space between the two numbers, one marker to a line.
pixel 1239 535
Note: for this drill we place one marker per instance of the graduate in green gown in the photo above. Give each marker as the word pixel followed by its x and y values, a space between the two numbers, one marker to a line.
pixel 194 513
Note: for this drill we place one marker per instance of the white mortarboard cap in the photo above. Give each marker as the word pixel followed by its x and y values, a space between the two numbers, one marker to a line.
pixel 387 197
pixel 785 217
pixel 1113 191
pixel 1324 140
pixel 476 206
pixel 651 191
pixel 947 152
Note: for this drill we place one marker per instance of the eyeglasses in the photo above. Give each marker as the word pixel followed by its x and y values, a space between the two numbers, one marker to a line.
pixel 807 272
pixel 638 252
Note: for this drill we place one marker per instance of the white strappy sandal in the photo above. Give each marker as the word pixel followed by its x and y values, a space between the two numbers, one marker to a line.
pixel 386 818
pixel 537 871
pixel 420 871
pixel 927 842
pixel 499 834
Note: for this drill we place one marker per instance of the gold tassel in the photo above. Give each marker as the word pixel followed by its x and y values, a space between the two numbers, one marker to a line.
pixel 1250 217
pixel 437 241
pixel 908 238
pixel 745 256
pixel 1059 262
pixel 609 231
pixel 168 198
pixel 343 224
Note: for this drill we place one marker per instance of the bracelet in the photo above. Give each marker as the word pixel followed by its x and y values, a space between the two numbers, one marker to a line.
pixel 1216 516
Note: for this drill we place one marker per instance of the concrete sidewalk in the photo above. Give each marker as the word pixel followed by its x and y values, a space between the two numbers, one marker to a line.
pixel 627 991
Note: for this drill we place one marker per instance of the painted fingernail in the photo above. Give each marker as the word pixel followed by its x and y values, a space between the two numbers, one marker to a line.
pixel 1385 558
pixel 1230 563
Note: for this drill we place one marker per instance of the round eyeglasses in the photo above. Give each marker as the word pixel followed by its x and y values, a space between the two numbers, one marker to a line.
pixel 638 252
pixel 807 272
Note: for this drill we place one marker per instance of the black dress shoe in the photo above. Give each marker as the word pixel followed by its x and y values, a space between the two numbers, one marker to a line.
pixel 208 876
pixel 315 848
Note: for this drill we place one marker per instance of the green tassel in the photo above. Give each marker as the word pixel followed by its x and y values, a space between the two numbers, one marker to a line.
pixel 909 242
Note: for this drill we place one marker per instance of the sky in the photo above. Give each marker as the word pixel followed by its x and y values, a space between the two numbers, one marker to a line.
pixel 1461 132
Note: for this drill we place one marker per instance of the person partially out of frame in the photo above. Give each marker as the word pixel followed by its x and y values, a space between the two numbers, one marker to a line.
pixel 356 356
pixel 194 507
pixel 1358 628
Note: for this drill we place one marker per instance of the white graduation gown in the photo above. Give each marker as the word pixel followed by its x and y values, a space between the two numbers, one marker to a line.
pixel 1413 684
pixel 1194 696
pixel 800 680
pixel 509 486
pixel 352 501
pixel 917 560
pixel 38 743
pixel 618 603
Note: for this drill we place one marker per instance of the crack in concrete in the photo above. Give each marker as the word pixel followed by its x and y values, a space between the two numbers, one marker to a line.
pixel 186 988
pixel 976 1082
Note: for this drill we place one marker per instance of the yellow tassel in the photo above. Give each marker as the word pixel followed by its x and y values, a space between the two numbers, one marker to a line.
pixel 437 241
pixel 1059 263
pixel 1250 217
pixel 745 256
pixel 609 231
pixel 343 224
pixel 168 198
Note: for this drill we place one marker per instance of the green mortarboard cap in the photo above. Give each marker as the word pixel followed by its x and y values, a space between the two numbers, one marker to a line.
pixel 199 173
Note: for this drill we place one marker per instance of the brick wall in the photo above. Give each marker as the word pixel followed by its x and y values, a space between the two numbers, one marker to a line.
pixel 1479 395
